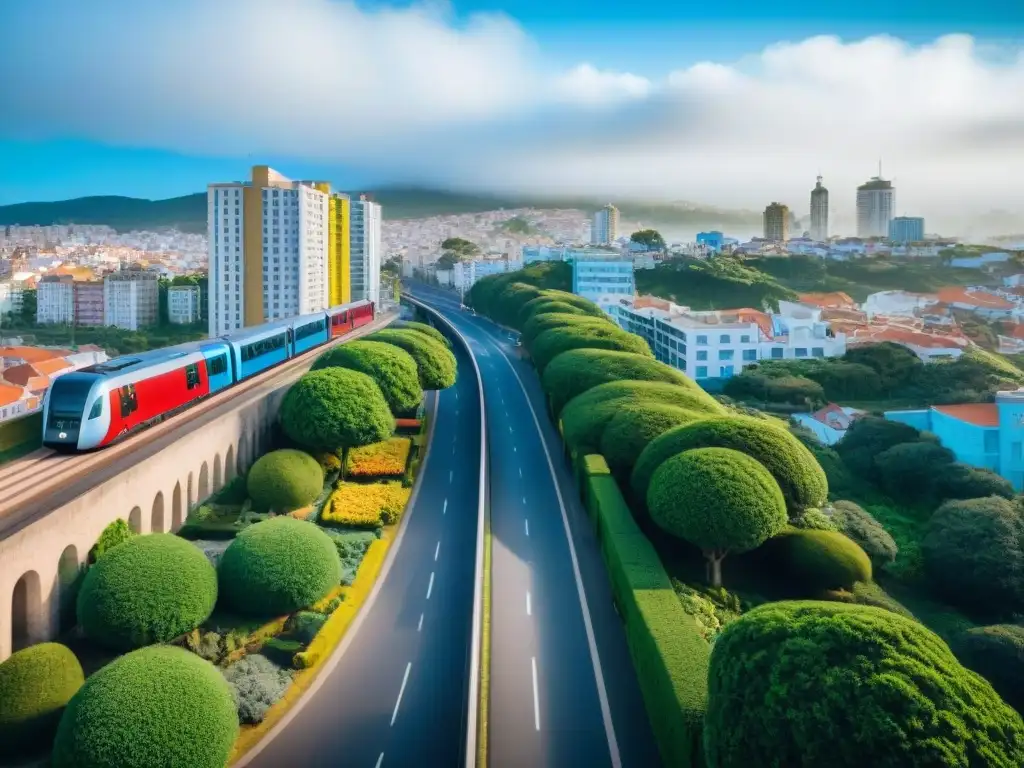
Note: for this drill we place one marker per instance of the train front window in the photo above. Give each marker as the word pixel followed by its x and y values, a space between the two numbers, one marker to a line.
pixel 68 395
pixel 97 409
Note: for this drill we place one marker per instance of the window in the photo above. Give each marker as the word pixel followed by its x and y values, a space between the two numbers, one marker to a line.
pixel 725 354
pixel 817 352
pixel 702 354
pixel 991 441
pixel 702 339
pixel 801 351
pixel 264 346
pixel 777 353
pixel 217 365
pixel 750 354
pixel 725 371
pixel 310 329
pixel 702 371
pixel 129 400
pixel 191 376
pixel 97 409
pixel 723 339
pixel 745 339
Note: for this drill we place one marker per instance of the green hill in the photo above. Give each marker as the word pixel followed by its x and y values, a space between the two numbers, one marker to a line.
pixel 188 213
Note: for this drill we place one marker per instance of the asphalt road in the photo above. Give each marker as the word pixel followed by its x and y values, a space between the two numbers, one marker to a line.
pixel 560 695
pixel 398 694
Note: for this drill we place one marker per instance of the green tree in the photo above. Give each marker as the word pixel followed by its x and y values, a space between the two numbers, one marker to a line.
pixel 335 408
pixel 719 500
pixel 548 345
pixel 454 250
pixel 392 368
pixel 997 654
pixel 633 426
pixel 435 364
pixel 962 481
pixel 28 306
pixel 649 237
pixel 854 521
pixel 908 471
pixel 284 480
pixel 868 437
pixel 115 533
pixel 799 665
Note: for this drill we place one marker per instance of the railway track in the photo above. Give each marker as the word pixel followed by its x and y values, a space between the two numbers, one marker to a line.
pixel 43 480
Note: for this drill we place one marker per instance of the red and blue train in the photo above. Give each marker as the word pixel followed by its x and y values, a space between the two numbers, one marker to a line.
pixel 95 406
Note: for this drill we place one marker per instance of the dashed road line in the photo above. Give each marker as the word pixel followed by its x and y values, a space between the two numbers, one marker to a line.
pixel 437 550
pixel 529 606
pixel 405 679
pixel 536 697
pixel 527 523
pixel 430 586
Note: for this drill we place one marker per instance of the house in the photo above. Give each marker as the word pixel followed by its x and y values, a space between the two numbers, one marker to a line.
pixel 832 300
pixel 828 424
pixel 929 347
pixel 977 300
pixel 897 303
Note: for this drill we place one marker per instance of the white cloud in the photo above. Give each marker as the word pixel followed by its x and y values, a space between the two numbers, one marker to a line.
pixel 413 92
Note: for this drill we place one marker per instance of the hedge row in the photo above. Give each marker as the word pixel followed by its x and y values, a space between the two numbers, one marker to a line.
pixel 435 362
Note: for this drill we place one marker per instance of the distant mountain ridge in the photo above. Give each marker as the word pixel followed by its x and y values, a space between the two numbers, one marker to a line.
pixel 188 213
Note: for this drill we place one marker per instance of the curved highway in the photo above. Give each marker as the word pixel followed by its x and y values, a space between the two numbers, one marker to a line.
pixel 563 690
pixel 395 694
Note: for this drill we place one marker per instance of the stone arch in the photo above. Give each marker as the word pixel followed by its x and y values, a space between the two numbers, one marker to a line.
pixel 218 476
pixel 204 482
pixel 135 520
pixel 176 508
pixel 26 612
pixel 68 569
pixel 230 468
pixel 157 520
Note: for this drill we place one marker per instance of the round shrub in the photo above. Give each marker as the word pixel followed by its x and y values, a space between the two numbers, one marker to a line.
pixel 283 480
pixel 543 305
pixel 426 328
pixel 278 566
pixel 585 416
pixel 435 363
pixel 859 525
pixel 717 499
pixel 794 468
pixel 567 297
pixel 819 561
pixel 115 533
pixel 633 426
pixel 573 373
pixel 510 300
pixel 392 368
pixel 809 683
pixel 974 554
pixel 552 343
pixel 36 683
pixel 155 706
pixel 997 654
pixel 336 408
pixel 150 589
pixel 535 326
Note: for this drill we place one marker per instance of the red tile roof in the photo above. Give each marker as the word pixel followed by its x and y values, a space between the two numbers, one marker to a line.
pixel 33 354
pixel 979 414
pixel 979 299
pixel 9 394
pixel 832 300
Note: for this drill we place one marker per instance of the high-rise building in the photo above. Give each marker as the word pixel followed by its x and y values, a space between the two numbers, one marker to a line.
pixel 131 299
pixel 89 310
pixel 776 222
pixel 876 200
pixel 55 300
pixel 339 262
pixel 606 226
pixel 906 229
pixel 365 248
pixel 819 212
pixel 269 249
pixel 183 304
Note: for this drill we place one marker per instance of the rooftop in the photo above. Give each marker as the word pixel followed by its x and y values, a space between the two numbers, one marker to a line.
pixel 975 298
pixel 978 414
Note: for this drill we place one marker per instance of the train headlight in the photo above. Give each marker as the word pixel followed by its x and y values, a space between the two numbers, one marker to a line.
pixel 63 435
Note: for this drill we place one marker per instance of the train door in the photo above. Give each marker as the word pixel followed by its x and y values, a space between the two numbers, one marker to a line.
pixel 129 400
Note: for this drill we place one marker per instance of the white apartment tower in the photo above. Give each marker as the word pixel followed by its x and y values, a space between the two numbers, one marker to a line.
pixel 606 226
pixel 819 212
pixel 55 300
pixel 131 299
pixel 268 250
pixel 365 250
pixel 876 201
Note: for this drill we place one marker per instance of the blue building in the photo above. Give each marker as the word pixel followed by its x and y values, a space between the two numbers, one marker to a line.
pixel 906 229
pixel 592 279
pixel 981 434
pixel 713 240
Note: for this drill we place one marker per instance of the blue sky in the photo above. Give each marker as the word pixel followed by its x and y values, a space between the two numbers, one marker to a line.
pixel 62 152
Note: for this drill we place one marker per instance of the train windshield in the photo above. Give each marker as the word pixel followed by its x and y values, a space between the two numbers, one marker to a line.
pixel 68 395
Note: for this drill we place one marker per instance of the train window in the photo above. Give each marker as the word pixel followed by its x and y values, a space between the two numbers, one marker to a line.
pixel 263 346
pixel 310 329
pixel 97 409
pixel 129 400
pixel 192 376
pixel 217 365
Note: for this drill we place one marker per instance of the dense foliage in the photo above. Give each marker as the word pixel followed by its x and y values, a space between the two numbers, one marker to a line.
pixel 284 480
pixel 115 533
pixel 723 281
pixel 573 373
pixel 997 654
pixel 36 683
pixel 852 520
pixel 435 363
pixel 257 684
pixel 794 468
pixel 868 437
pixel 908 468
pixel 962 481
pixel 538 324
pixel 849 686
pixel 545 305
pixel 633 427
pixel 392 368
pixel 585 417
pixel 554 342
pixel 150 589
pixel 278 566
pixel 336 408
pixel 818 561
pixel 426 328
pixel 159 706
pixel 717 499
pixel 974 554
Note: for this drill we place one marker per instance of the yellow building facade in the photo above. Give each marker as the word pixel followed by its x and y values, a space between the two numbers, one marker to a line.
pixel 339 260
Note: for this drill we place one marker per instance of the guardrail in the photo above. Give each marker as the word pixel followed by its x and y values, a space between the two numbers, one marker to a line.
pixel 477 696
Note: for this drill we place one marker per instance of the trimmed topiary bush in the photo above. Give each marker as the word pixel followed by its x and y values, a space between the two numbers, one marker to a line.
pixel 160 706
pixel 633 426
pixel 830 684
pixel 573 373
pixel 278 566
pixel 543 305
pixel 510 300
pixel 283 480
pixel 859 525
pixel 393 370
pixel 336 408
pixel 794 468
pixel 535 326
pixel 150 589
pixel 426 328
pixel 435 363
pixel 997 654
pixel 554 342
pixel 115 533
pixel 570 298
pixel 36 683
pixel 819 560
pixel 717 499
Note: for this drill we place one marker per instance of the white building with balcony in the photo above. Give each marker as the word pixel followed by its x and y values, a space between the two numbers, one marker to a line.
pixel 465 273
pixel 183 305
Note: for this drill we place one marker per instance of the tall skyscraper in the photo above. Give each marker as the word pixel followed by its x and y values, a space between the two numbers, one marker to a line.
pixel 365 249
pixel 906 229
pixel 819 212
pixel 606 226
pixel 876 200
pixel 776 222
pixel 271 251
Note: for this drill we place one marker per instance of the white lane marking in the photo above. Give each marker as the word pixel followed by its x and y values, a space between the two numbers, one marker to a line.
pixel 405 679
pixel 451 474
pixel 437 549
pixel 444 509
pixel 509 427
pixel 419 627
pixel 524 500
pixel 536 698
pixel 514 449
pixel 529 607
pixel 520 472
pixel 379 760
pixel 430 586
pixel 456 394
pixel 527 522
